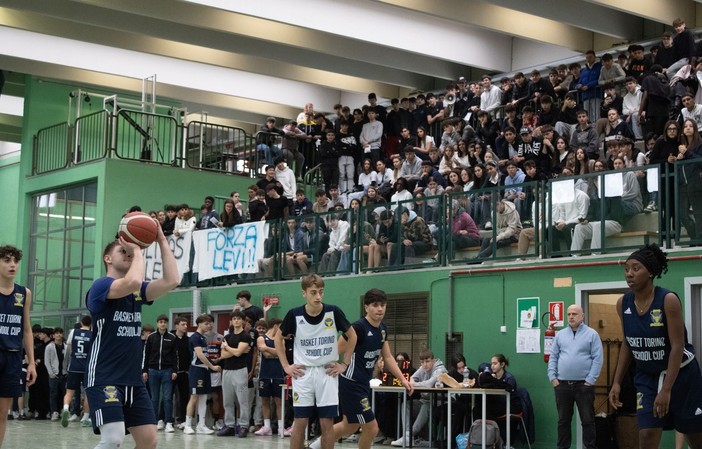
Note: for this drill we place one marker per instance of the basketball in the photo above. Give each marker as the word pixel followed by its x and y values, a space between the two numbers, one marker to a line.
pixel 138 228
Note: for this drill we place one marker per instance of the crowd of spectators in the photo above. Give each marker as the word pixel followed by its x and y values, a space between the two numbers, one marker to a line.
pixel 613 113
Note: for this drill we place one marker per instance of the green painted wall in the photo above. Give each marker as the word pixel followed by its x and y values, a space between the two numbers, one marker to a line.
pixel 9 181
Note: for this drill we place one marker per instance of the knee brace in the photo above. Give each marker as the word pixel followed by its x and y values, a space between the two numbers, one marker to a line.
pixel 111 435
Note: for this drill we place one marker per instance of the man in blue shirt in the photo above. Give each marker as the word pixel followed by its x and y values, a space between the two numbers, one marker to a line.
pixel 573 368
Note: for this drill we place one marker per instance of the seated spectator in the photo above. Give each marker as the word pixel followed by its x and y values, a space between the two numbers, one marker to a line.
pixel 595 224
pixel 266 140
pixel 428 173
pixel 513 186
pixel 388 235
pixel 453 182
pixel 613 126
pixel 450 137
pixel 631 105
pixel 335 197
pixel 487 129
pixel 528 235
pixel 507 146
pixel 632 202
pixel 384 178
pixel 397 163
pixel 315 239
pixel 548 115
pixel 459 369
pixel 338 242
pixel 567 117
pixel 230 215
pixel 416 236
pixel 258 210
pixel 366 177
pixel 585 136
pixel 293 247
pixel 567 215
pixel 424 143
pixel 372 196
pixel 461 157
pixel 168 224
pixel 532 149
pixel 562 156
pixel 322 203
pixel 691 110
pixel 271 252
pixel 425 211
pixel 426 377
pixel 302 205
pixel 434 157
pixel 432 191
pixel 612 100
pixel 464 231
pixel 401 194
pixel 498 377
pixel 448 161
pixel 508 227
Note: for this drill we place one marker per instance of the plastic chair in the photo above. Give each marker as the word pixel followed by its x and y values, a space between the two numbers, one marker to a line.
pixel 517 417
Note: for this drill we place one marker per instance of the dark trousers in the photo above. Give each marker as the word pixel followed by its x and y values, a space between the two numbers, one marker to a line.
pixel 567 394
pixel 183 390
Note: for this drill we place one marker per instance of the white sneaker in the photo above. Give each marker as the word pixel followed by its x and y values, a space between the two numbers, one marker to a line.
pixel 160 425
pixel 169 428
pixel 316 444
pixel 488 225
pixel 188 430
pixel 74 418
pixel 180 426
pixel 264 431
pixel 204 430
pixel 352 438
pixel 55 416
pixel 218 425
pixel 399 442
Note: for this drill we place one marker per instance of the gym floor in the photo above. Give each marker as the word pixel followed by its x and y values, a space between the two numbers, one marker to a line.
pixel 50 435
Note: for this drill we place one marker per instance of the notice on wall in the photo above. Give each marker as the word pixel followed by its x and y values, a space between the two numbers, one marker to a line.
pixel 528 341
pixel 528 313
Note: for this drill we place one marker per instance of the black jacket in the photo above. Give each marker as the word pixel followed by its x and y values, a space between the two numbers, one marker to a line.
pixel 160 352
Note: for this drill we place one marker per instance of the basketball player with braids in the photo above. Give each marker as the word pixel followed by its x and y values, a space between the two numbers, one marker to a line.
pixel 667 376
pixel 116 393
pixel 16 332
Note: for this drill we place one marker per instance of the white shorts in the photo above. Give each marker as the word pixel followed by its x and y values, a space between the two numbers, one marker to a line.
pixel 216 379
pixel 315 388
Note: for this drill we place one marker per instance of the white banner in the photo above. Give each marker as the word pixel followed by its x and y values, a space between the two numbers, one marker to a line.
pixel 181 250
pixel 223 252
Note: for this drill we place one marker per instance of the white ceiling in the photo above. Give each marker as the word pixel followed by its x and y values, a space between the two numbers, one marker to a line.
pixel 245 60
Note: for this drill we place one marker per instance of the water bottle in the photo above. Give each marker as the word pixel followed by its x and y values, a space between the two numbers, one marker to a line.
pixel 465 374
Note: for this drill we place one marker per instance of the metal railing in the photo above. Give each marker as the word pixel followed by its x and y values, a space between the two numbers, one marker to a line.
pixel 52 148
pixel 219 148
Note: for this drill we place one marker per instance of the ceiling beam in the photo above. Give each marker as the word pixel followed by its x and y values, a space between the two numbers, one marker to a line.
pixel 590 16
pixel 661 11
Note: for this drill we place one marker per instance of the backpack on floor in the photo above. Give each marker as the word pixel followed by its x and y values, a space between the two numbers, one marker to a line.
pixel 493 440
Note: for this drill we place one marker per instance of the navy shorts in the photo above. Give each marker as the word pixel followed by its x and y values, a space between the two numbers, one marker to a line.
pixel 269 388
pixel 355 401
pixel 74 381
pixel 11 381
pixel 199 380
pixel 118 403
pixel 685 409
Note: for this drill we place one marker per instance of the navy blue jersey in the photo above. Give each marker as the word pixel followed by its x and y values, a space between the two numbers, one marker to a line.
pixel 369 343
pixel 271 368
pixel 12 319
pixel 197 340
pixel 80 347
pixel 115 354
pixel 647 335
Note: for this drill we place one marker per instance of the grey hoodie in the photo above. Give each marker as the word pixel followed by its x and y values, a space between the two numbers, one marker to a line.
pixel 428 379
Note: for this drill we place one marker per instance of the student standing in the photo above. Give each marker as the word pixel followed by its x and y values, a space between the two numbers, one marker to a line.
pixel 314 329
pixel 15 303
